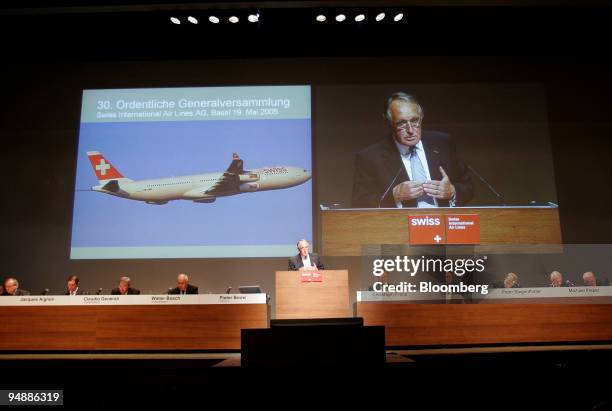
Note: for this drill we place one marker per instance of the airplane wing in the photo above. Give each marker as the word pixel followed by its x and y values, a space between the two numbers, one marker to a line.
pixel 227 182
pixel 230 180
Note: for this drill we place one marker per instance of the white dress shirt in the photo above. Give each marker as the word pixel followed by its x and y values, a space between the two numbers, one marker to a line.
pixel 306 261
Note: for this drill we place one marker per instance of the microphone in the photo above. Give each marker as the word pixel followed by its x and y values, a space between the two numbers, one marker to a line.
pixel 99 291
pixel 169 290
pixel 45 291
pixel 390 185
pixel 228 290
pixel 489 186
pixel 568 283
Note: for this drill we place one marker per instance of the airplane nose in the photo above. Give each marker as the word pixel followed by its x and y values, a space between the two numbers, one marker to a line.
pixel 307 175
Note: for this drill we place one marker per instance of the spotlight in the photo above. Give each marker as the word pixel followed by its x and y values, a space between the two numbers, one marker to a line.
pixel 321 18
pixel 340 18
pixel 254 18
pixel 213 19
pixel 360 17
pixel 192 20
pixel 233 19
pixel 380 16
pixel 175 20
pixel 398 17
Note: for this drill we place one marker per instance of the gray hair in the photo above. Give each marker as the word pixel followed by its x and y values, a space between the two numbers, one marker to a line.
pixel 184 276
pixel 299 241
pixel 400 95
pixel 12 279
pixel 125 279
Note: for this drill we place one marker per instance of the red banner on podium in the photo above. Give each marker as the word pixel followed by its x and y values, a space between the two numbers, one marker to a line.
pixel 433 229
pixel 426 229
pixel 463 229
pixel 311 276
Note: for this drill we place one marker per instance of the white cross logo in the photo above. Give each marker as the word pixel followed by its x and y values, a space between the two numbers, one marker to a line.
pixel 102 167
pixel 437 238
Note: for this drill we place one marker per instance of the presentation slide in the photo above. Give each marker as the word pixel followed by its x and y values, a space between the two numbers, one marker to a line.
pixel 207 172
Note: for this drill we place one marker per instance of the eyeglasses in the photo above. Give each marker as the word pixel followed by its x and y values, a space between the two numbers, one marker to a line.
pixel 414 123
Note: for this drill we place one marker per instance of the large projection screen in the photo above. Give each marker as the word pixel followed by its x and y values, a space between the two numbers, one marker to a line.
pixel 207 172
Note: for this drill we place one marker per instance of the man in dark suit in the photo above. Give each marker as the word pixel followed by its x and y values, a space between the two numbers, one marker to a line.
pixel 411 167
pixel 11 287
pixel 125 287
pixel 183 286
pixel 305 259
pixel 72 286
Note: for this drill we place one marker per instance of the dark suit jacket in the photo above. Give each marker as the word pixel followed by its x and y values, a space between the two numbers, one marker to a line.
pixel 378 164
pixel 295 262
pixel 191 289
pixel 130 291
pixel 18 292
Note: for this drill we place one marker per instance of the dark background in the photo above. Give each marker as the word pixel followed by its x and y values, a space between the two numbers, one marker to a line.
pixel 49 57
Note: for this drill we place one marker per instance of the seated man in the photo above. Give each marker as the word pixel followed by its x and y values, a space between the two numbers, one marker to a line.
pixel 183 286
pixel 125 287
pixel 305 260
pixel 511 281
pixel 11 287
pixel 590 280
pixel 72 286
pixel 556 280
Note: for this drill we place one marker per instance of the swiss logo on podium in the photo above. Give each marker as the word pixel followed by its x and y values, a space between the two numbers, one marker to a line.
pixel 463 229
pixel 311 276
pixel 449 229
pixel 426 229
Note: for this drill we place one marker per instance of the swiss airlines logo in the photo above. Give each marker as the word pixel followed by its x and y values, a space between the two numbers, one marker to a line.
pixel 103 166
pixel 448 229
pixel 425 220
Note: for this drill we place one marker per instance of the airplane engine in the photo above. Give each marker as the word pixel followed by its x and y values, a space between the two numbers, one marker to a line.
pixel 249 178
pixel 248 187
pixel 205 200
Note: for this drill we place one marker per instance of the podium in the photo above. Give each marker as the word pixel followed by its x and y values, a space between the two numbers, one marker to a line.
pixel 326 299
pixel 346 232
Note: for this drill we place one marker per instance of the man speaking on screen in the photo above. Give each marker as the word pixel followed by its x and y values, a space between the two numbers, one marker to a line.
pixel 411 167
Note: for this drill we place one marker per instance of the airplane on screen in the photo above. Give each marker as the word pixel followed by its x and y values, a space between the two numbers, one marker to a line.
pixel 200 188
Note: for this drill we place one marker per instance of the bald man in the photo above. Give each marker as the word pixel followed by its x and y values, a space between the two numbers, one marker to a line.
pixel 183 286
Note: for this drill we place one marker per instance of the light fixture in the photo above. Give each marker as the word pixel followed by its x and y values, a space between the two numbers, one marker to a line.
pixel 192 20
pixel 175 20
pixel 233 19
pixel 360 17
pixel 253 18
pixel 380 16
pixel 398 17
pixel 213 19
pixel 321 18
pixel 340 18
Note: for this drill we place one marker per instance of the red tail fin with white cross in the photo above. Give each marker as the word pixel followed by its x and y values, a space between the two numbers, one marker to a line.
pixel 103 168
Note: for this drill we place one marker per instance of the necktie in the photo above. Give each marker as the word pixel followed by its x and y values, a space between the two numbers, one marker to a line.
pixel 419 175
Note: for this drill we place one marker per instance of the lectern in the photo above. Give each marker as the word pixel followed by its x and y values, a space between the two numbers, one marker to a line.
pixel 328 298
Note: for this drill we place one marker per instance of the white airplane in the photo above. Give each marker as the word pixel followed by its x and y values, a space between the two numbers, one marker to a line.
pixel 200 188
